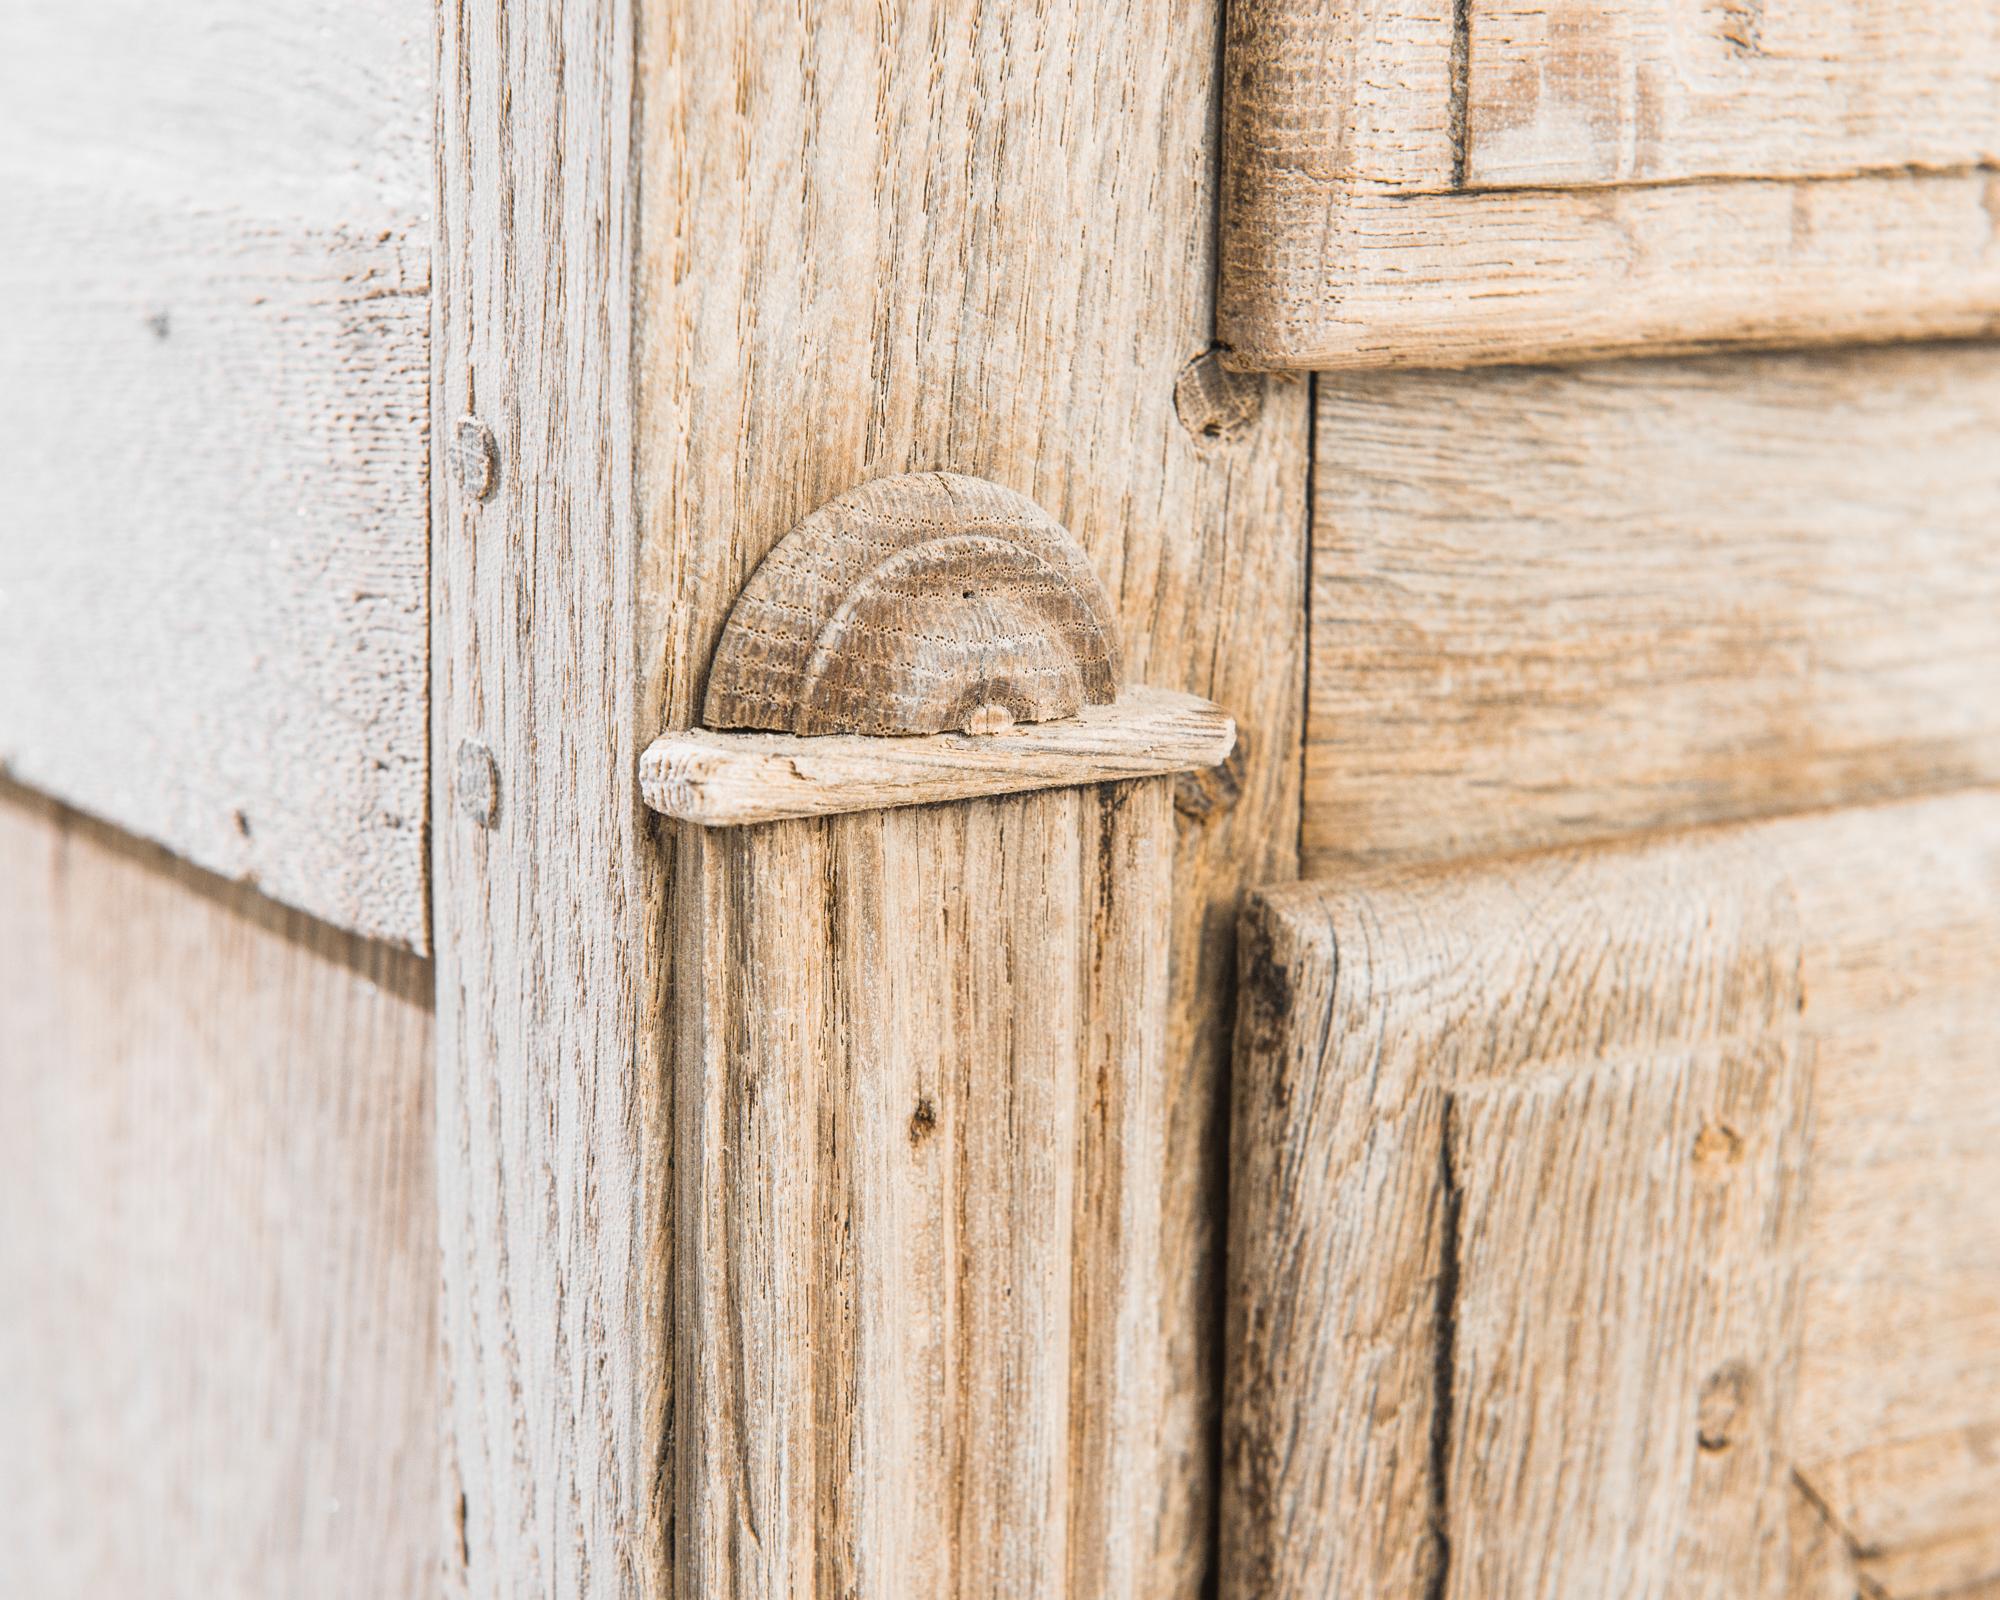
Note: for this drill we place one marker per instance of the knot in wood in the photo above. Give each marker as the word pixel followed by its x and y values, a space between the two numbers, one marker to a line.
pixel 923 603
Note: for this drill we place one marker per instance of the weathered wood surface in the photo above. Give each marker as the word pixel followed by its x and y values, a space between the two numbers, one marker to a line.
pixel 944 238
pixel 922 602
pixel 1602 1192
pixel 218 1340
pixel 553 1135
pixel 214 327
pixel 922 1121
pixel 723 779
pixel 1668 91
pixel 1551 606
pixel 1441 185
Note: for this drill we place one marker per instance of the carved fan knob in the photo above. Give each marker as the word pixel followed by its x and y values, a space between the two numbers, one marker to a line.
pixel 917 604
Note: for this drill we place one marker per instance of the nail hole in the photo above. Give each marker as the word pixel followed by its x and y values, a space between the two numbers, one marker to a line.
pixel 1213 402
pixel 1717 1144
pixel 1723 1398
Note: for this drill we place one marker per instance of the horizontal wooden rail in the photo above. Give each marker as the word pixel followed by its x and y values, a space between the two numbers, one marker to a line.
pixel 722 779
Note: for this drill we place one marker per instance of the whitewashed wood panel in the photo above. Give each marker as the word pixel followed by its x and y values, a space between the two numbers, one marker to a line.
pixel 218 1326
pixel 214 329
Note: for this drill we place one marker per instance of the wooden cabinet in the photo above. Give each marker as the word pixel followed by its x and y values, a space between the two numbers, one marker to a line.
pixel 636 1056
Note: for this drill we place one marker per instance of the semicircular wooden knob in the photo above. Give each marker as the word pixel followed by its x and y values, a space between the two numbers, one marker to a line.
pixel 917 604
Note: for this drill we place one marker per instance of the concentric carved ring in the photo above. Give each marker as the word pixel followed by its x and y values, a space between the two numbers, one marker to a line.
pixel 917 604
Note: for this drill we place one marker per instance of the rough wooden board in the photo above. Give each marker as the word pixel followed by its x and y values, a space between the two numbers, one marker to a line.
pixel 218 1362
pixel 1619 91
pixel 722 779
pixel 952 237
pixel 1964 1568
pixel 920 1198
pixel 1604 1279
pixel 1349 238
pixel 1551 606
pixel 214 325
pixel 1390 1014
pixel 553 1138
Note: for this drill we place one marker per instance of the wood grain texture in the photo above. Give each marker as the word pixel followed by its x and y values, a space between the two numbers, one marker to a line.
pixel 1604 1190
pixel 1654 91
pixel 218 1341
pixel 1915 1516
pixel 920 1198
pixel 214 323
pixel 1551 606
pixel 725 779
pixel 553 1137
pixel 919 603
pixel 954 237
pixel 1360 228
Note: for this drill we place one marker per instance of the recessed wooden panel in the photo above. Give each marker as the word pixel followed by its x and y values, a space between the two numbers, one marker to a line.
pixel 1440 184
pixel 1557 605
pixel 1609 1192
pixel 218 1332
pixel 214 324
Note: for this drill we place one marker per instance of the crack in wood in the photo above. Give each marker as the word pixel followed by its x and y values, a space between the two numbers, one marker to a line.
pixel 1445 1351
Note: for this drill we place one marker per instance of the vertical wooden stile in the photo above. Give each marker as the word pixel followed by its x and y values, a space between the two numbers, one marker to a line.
pixel 921 1144
pixel 940 237
pixel 553 1149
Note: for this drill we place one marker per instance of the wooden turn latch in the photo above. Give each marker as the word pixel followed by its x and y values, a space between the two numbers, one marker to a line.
pixel 921 638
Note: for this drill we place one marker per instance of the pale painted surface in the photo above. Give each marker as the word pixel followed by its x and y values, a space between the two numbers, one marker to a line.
pixel 218 1243
pixel 214 330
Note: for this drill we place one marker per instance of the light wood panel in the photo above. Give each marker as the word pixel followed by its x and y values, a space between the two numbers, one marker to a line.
pixel 554 1143
pixel 922 1124
pixel 1435 184
pixel 1550 606
pixel 952 237
pixel 218 1340
pixel 1654 91
pixel 214 324
pixel 1608 1190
